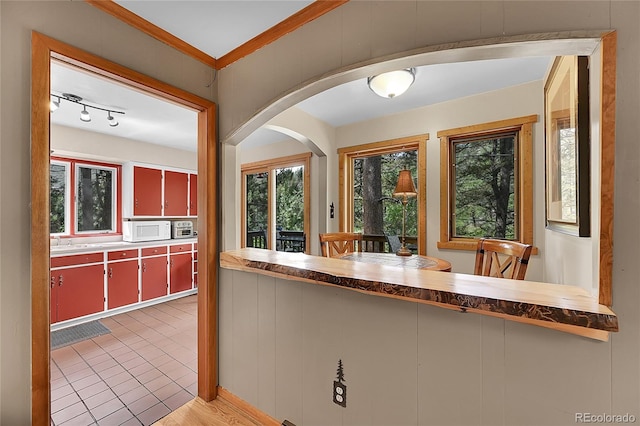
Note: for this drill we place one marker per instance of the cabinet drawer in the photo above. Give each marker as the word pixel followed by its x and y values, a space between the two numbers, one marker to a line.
pixel 180 248
pixel 122 254
pixel 76 259
pixel 154 251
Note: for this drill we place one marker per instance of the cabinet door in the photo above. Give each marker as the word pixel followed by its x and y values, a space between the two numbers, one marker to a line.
pixel 80 291
pixel 193 195
pixel 154 277
pixel 176 187
pixel 53 296
pixel 147 191
pixel 122 283
pixel 181 274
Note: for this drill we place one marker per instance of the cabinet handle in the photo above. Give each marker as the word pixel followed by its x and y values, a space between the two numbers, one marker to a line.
pixel 110 272
pixel 171 263
pixel 144 267
pixel 124 254
pixel 53 281
pixel 136 202
pixel 60 280
pixel 166 203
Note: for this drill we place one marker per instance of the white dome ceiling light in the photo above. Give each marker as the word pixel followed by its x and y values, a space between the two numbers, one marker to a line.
pixel 393 83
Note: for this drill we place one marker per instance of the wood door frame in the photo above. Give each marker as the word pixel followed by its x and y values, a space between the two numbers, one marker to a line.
pixel 43 49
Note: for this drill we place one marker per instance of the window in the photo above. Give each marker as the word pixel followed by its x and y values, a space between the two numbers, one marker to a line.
pixel 275 204
pixel 486 183
pixel 368 176
pixel 84 197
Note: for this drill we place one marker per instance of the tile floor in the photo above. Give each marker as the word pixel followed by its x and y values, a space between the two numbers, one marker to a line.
pixel 144 369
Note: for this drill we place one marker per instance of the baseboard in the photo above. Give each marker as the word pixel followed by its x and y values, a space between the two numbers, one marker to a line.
pixel 244 406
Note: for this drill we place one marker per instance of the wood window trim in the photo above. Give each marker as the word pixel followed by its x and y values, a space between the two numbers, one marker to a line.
pixel 267 166
pixel 524 126
pixel 345 181
pixel 43 50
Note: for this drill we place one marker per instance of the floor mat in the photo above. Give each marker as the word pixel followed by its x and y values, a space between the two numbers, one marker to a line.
pixel 77 333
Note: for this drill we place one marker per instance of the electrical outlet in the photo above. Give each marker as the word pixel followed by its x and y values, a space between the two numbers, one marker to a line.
pixel 340 394
pixel 339 388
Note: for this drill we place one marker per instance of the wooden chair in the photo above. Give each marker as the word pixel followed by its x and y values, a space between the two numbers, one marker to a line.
pixel 337 243
pixel 515 258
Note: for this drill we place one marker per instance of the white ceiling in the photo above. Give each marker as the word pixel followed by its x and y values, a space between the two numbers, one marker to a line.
pixel 216 27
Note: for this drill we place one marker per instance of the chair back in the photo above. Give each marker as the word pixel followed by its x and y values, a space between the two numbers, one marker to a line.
pixel 334 244
pixel 394 243
pixel 502 259
pixel 257 239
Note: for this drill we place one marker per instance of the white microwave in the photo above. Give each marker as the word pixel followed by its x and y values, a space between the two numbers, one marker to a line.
pixel 147 230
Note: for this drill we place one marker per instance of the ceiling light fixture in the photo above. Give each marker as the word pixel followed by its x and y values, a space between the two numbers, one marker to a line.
pixel 393 83
pixel 54 105
pixel 84 115
pixel 111 120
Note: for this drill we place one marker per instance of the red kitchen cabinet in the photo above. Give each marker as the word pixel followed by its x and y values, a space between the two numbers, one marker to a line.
pixel 80 291
pixel 195 265
pixel 53 297
pixel 122 283
pixel 193 195
pixel 180 267
pixel 147 191
pixel 154 273
pixel 176 187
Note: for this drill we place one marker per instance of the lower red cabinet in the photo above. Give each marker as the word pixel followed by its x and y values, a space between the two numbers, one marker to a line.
pixel 76 292
pixel 181 274
pixel 122 283
pixel 77 282
pixel 154 277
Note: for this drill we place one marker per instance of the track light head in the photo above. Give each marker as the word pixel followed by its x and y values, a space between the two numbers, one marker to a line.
pixel 84 115
pixel 111 120
pixel 54 105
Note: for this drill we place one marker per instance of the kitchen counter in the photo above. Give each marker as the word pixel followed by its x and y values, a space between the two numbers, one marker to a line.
pixel 561 307
pixel 65 249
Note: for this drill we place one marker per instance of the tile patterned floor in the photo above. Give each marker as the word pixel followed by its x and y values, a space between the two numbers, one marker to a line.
pixel 144 369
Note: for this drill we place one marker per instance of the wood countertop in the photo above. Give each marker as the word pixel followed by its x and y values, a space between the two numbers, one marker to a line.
pixel 561 307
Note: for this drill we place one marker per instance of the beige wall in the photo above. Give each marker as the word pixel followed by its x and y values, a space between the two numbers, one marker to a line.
pixel 90 145
pixel 447 368
pixel 83 26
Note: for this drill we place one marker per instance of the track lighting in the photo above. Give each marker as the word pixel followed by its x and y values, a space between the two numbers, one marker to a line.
pixel 54 105
pixel 84 114
pixel 111 120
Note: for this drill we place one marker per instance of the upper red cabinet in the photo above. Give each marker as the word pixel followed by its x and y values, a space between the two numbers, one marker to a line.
pixel 150 191
pixel 147 191
pixel 193 194
pixel 176 187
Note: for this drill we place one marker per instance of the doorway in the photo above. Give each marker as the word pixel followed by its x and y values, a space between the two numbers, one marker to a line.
pixel 43 50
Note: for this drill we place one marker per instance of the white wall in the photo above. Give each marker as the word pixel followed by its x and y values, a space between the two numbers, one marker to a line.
pixel 470 369
pixel 100 34
pixel 90 145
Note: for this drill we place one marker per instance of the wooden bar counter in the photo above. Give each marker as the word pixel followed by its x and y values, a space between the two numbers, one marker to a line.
pixel 561 307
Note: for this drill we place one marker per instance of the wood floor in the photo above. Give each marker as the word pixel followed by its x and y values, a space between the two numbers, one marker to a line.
pixel 215 413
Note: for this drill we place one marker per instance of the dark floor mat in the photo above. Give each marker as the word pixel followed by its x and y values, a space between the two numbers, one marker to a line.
pixel 77 333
